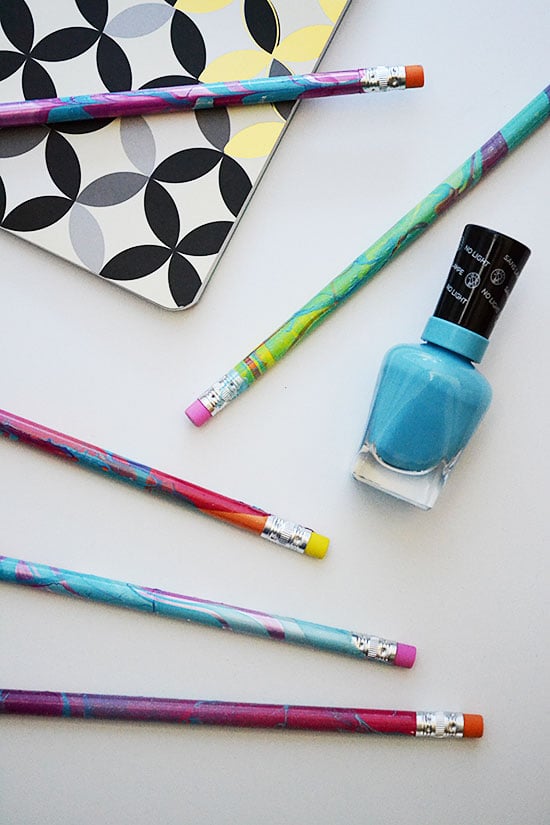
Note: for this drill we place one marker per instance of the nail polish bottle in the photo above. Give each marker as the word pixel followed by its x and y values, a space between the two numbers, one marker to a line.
pixel 430 398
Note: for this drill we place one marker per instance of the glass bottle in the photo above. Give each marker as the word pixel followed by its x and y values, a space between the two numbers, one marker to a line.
pixel 429 397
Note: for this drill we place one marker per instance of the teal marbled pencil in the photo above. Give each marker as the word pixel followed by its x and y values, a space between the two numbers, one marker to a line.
pixel 205 612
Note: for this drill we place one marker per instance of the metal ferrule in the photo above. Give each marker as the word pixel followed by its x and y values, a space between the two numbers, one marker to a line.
pixel 222 392
pixel 440 724
pixel 381 650
pixel 286 533
pixel 381 78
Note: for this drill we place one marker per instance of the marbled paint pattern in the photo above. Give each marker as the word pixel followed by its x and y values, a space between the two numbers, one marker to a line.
pixel 173 98
pixel 139 475
pixel 177 606
pixel 207 712
pixel 394 241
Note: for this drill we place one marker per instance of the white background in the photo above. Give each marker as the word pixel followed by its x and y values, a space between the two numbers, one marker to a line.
pixel 467 582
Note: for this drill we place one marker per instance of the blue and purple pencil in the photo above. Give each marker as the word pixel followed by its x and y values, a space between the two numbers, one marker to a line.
pixel 211 95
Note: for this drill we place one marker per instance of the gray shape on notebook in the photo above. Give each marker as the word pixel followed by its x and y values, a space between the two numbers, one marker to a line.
pixel 17 141
pixel 215 126
pixel 111 189
pixel 138 143
pixel 86 238
pixel 139 20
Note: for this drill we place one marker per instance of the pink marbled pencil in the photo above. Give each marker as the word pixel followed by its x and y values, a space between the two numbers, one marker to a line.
pixel 434 724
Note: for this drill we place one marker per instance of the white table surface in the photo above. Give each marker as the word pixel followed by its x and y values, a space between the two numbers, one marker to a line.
pixel 466 582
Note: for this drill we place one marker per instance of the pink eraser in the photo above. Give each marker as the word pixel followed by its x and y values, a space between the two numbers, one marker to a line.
pixel 197 413
pixel 405 656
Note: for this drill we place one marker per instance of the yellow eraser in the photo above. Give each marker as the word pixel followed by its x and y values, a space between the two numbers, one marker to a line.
pixel 317 546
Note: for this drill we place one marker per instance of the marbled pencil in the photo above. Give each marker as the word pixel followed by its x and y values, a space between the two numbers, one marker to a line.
pixel 266 525
pixel 432 724
pixel 209 95
pixel 410 227
pixel 202 611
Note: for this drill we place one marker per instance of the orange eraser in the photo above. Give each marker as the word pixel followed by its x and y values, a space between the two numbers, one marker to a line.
pixel 473 726
pixel 414 76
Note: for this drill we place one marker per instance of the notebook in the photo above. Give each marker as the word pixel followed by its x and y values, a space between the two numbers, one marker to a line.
pixel 146 203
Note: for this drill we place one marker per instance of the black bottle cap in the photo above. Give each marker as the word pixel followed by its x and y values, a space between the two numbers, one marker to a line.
pixel 484 271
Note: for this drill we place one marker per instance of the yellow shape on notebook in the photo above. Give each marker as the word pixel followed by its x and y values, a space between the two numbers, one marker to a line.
pixel 332 8
pixel 238 65
pixel 303 44
pixel 199 6
pixel 255 141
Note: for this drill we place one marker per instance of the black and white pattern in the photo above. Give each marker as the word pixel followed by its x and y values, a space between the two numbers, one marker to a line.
pixel 147 203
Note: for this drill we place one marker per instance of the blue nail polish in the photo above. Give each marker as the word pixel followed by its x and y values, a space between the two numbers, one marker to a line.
pixel 430 398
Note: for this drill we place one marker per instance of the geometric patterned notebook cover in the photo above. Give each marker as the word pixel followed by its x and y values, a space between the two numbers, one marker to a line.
pixel 147 203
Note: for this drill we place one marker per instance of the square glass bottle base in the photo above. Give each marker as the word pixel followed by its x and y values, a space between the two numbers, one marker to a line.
pixel 418 488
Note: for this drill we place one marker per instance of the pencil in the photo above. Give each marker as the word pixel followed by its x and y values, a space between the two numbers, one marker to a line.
pixel 266 525
pixel 410 227
pixel 432 724
pixel 208 96
pixel 201 611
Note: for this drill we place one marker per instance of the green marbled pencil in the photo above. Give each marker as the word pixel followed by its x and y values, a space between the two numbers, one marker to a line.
pixel 372 260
